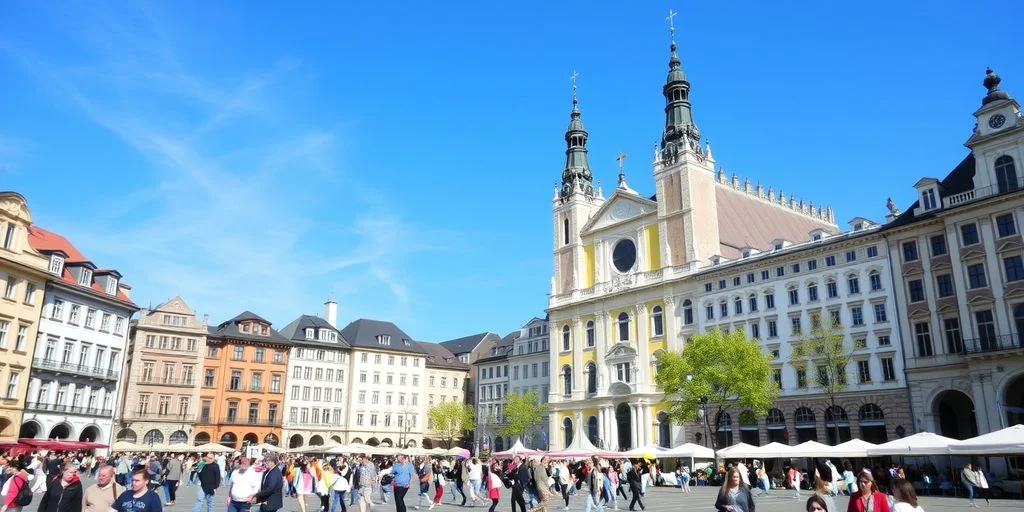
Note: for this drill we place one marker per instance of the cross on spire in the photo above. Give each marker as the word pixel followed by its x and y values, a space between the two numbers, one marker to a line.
pixel 572 78
pixel 621 158
pixel 671 24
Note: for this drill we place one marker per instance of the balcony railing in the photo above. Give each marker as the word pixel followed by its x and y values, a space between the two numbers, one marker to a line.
pixel 239 420
pixel 160 381
pixel 155 416
pixel 980 193
pixel 994 344
pixel 250 388
pixel 69 409
pixel 81 369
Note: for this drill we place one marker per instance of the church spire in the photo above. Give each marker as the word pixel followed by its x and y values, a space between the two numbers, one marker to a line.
pixel 679 125
pixel 576 175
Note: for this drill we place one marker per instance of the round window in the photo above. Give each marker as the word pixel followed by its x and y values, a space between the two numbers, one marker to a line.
pixel 624 255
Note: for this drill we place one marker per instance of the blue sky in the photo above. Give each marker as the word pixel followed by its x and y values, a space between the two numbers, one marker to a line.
pixel 400 157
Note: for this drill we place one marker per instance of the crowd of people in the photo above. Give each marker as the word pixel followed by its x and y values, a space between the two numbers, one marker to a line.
pixel 132 482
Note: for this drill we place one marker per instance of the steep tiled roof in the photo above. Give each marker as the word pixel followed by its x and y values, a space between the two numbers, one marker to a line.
pixel 745 220
pixel 363 333
pixel 47 242
pixel 440 357
pixel 464 344
pixel 229 329
pixel 296 332
pixel 502 348
pixel 960 179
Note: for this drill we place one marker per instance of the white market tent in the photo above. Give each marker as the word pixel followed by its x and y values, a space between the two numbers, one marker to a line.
pixel 811 449
pixel 774 450
pixel 1008 441
pixel 921 443
pixel 854 448
pixel 517 449
pixel 581 448
pixel 691 450
pixel 645 451
pixel 738 451
pixel 213 447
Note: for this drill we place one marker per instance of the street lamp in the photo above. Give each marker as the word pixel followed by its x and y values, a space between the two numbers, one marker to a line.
pixel 703 413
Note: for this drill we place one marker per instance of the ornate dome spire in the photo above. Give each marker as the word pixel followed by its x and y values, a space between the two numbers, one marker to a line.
pixel 576 175
pixel 991 83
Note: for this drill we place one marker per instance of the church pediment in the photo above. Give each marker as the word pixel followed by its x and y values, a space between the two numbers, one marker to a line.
pixel 621 207
pixel 621 351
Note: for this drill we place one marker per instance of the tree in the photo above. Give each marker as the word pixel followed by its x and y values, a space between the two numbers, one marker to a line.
pixel 715 372
pixel 825 347
pixel 451 419
pixel 523 412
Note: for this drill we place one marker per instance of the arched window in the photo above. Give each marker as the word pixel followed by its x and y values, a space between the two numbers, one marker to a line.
pixel 657 321
pixel 592 432
pixel 871 412
pixel 567 431
pixel 1006 174
pixel 566 380
pixel 723 308
pixel 591 378
pixel 664 430
pixel 775 417
pixel 752 302
pixel 687 312
pixel 623 322
pixel 724 430
pixel 590 333
pixel 737 305
pixel 154 436
pixel 565 338
pixel 803 416
pixel 565 231
pixel 876 280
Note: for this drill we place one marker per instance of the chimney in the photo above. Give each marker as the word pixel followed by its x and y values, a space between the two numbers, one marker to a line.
pixel 331 312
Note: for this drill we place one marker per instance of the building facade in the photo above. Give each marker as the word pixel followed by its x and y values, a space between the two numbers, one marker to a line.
pixel 492 377
pixel 958 255
pixel 387 385
pixel 468 349
pixel 163 365
pixel 80 346
pixel 241 396
pixel 531 370
pixel 635 276
pixel 317 399
pixel 446 381
pixel 23 274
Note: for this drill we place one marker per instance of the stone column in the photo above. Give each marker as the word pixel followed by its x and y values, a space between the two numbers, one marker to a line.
pixel 648 423
pixel 671 330
pixel 634 422
pixel 601 344
pixel 576 344
pixel 614 442
pixel 643 377
pixel 959 278
pixel 994 275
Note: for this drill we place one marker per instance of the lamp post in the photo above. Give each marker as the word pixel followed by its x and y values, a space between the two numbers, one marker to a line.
pixel 703 413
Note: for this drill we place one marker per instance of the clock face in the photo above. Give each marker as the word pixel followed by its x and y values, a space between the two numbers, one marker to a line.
pixel 996 121
pixel 624 255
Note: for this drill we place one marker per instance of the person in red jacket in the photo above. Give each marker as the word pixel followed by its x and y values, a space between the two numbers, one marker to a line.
pixel 868 499
pixel 14 483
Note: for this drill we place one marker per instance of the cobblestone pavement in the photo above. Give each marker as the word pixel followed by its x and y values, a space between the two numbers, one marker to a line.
pixel 658 499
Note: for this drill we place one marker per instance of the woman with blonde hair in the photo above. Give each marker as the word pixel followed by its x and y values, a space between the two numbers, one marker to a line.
pixel 906 497
pixel 734 496
pixel 868 499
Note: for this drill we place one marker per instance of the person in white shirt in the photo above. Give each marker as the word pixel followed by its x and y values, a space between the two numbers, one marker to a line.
pixel 476 475
pixel 906 498
pixel 245 483
pixel 744 473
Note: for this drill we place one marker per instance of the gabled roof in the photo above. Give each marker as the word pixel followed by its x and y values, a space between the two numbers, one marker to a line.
pixel 363 333
pixel 229 329
pixel 296 332
pixel 48 242
pixel 440 357
pixel 502 349
pixel 465 344
pixel 960 179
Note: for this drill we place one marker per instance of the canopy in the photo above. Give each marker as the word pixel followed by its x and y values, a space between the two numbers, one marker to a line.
pixel 125 446
pixel 437 451
pixel 852 448
pixel 581 448
pixel 774 450
pixel 277 449
pixel 459 452
pixel 212 447
pixel 738 451
pixel 921 443
pixel 810 449
pixel 516 449
pixel 691 450
pixel 647 452
pixel 1008 441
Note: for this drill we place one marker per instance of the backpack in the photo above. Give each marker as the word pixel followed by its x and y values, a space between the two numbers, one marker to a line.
pixel 24 496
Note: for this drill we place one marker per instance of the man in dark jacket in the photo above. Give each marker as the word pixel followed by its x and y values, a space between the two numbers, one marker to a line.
pixel 209 481
pixel 520 482
pixel 63 492
pixel 271 493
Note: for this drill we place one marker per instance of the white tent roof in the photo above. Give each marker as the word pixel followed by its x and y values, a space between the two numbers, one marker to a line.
pixel 1008 441
pixel 851 448
pixel 689 450
pixel 738 451
pixel 810 449
pixel 516 449
pixel 581 447
pixel 213 447
pixel 921 443
pixel 774 450
pixel 651 449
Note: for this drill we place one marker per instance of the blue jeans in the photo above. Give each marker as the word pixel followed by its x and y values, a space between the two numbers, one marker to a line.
pixel 202 498
pixel 354 494
pixel 239 506
pixel 591 504
pixel 338 498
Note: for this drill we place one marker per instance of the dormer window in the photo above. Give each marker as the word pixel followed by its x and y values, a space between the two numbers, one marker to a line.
pixel 406 343
pixel 245 327
pixel 778 244
pixel 384 339
pixel 746 253
pixel 815 237
pixel 111 286
pixel 264 330
pixel 858 226
pixel 9 236
pixel 309 334
pixel 323 334
pixel 715 260
pixel 928 199
pixel 56 264
pixel 85 277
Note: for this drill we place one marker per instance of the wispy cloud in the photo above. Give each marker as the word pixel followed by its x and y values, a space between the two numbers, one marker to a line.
pixel 225 215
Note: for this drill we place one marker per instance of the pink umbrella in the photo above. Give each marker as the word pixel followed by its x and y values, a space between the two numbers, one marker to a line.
pixel 460 452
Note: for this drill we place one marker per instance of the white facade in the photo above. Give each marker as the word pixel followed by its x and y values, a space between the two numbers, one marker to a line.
pixel 443 384
pixel 76 371
pixel 531 370
pixel 387 397
pixel 316 401
pixel 492 381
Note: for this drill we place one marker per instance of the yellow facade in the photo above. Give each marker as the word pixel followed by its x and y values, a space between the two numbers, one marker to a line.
pixel 22 284
pixel 588 272
pixel 653 247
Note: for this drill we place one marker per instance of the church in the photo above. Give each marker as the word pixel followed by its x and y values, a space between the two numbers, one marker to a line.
pixel 636 276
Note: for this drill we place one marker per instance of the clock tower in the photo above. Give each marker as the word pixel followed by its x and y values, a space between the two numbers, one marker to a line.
pixel 998 139
pixel 574 202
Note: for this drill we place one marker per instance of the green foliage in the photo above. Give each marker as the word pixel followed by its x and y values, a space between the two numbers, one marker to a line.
pixel 451 419
pixel 726 369
pixel 823 350
pixel 523 412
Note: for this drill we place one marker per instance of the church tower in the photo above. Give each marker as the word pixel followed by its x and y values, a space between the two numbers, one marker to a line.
pixel 574 203
pixel 996 141
pixel 684 175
